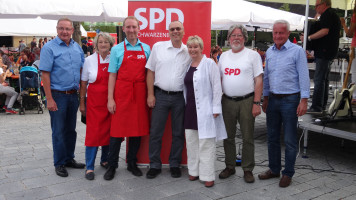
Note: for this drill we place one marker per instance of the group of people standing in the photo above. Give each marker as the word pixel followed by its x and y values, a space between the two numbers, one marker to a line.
pixel 206 101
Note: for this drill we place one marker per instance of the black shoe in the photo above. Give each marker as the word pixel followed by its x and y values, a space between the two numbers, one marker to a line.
pixel 314 111
pixel 110 173
pixel 152 173
pixel 74 164
pixel 175 172
pixel 61 171
pixel 89 176
pixel 134 169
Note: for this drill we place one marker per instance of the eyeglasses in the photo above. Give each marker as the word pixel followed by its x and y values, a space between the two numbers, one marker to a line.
pixel 175 28
pixel 236 36
pixel 64 29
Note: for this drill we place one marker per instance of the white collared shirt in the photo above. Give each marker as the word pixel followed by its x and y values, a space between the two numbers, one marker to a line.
pixel 169 64
pixel 90 67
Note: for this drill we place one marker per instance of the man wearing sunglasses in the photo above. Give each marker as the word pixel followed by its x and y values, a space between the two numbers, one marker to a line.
pixel 166 69
pixel 326 47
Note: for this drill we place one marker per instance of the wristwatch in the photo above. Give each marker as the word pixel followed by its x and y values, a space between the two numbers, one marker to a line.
pixel 309 39
pixel 257 103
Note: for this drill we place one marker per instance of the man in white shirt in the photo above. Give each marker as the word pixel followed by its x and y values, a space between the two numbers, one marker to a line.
pixel 241 71
pixel 166 69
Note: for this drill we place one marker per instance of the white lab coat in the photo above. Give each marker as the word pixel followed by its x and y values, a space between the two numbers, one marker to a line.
pixel 208 92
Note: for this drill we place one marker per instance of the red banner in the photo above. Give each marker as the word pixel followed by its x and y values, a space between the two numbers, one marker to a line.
pixel 155 17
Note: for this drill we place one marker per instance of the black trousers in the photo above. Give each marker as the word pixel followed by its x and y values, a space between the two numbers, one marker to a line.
pixel 114 150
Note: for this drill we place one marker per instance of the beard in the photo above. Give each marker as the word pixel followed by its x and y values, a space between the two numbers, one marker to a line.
pixel 236 47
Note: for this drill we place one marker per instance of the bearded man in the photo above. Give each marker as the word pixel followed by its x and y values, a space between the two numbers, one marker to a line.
pixel 241 72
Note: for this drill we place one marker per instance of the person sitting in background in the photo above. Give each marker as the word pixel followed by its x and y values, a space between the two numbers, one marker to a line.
pixel 10 93
pixel 26 57
pixel 5 59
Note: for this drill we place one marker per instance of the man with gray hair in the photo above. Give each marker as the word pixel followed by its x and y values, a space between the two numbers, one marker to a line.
pixel 241 72
pixel 286 93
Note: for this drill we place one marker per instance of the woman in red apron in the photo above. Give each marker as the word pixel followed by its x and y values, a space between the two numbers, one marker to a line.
pixel 127 101
pixel 98 118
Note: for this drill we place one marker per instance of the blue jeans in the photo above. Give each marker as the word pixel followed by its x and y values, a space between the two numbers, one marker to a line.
pixel 63 123
pixel 321 84
pixel 166 103
pixel 90 155
pixel 282 112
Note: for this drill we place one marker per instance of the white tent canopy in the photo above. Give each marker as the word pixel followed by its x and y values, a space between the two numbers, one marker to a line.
pixel 224 12
pixel 76 10
pixel 227 12
pixel 30 27
pixel 341 4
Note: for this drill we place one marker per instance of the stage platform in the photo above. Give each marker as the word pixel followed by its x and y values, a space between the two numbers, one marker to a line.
pixel 341 127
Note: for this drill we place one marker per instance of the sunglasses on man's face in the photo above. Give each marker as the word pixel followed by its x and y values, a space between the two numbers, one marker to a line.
pixel 175 28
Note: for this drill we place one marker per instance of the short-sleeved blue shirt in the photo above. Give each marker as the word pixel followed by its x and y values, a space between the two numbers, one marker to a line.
pixel 117 53
pixel 63 62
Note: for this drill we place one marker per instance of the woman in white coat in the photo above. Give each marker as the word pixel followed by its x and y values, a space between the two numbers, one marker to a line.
pixel 203 121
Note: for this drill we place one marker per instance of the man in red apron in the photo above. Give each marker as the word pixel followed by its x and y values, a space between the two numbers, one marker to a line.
pixel 127 97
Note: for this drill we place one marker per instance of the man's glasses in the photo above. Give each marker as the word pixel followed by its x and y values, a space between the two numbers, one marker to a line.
pixel 236 36
pixel 64 29
pixel 175 28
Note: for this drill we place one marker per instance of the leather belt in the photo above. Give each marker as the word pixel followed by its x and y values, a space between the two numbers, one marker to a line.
pixel 239 98
pixel 168 92
pixel 65 92
pixel 283 95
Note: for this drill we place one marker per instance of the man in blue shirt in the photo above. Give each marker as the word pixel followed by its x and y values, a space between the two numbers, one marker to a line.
pixel 127 96
pixel 286 92
pixel 61 63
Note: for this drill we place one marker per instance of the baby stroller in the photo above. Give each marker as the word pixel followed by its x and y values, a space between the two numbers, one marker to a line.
pixel 30 92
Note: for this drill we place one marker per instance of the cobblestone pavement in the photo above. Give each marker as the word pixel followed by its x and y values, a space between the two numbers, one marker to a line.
pixel 27 172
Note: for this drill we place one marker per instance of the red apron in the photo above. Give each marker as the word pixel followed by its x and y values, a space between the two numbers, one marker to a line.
pixel 131 115
pixel 98 116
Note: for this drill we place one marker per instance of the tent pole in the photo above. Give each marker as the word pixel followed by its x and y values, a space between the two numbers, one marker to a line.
pixel 306 25
pixel 344 33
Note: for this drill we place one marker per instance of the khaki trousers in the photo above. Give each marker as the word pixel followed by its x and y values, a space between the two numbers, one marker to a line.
pixel 241 112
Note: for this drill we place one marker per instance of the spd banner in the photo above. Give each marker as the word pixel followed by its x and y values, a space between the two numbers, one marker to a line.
pixel 155 17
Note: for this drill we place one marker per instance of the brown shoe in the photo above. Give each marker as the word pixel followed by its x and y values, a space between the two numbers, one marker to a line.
pixel 285 181
pixel 209 183
pixel 193 178
pixel 248 176
pixel 267 175
pixel 226 173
